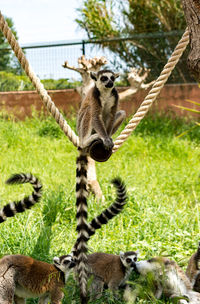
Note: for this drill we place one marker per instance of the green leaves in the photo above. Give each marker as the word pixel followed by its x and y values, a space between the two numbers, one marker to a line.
pixel 109 19
pixel 7 59
pixel 190 110
pixel 97 18
pixel 13 82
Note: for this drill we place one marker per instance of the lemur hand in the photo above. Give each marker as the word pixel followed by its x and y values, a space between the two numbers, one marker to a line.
pixel 108 143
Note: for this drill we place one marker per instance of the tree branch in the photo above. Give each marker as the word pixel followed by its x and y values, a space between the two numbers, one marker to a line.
pixel 136 81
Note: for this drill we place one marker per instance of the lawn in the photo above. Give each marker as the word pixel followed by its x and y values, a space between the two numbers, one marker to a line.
pixel 162 174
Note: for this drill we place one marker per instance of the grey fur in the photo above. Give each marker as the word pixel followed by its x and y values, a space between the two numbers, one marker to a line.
pixel 98 116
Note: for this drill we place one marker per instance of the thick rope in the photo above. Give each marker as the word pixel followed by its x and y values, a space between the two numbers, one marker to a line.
pixel 154 92
pixel 36 82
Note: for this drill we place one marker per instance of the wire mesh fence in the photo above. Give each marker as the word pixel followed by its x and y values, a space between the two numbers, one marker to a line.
pixel 143 50
pixel 47 60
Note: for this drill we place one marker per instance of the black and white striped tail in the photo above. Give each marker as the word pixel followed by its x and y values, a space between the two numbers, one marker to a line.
pixel 82 225
pixel 13 208
pixel 109 212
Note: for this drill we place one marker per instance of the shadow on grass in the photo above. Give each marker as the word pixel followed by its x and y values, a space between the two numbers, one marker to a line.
pixel 52 202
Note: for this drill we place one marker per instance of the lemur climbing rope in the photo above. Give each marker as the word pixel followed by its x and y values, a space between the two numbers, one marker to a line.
pixel 139 115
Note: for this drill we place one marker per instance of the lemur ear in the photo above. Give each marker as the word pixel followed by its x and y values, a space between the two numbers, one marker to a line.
pixel 121 254
pixel 56 260
pixel 93 75
pixel 116 75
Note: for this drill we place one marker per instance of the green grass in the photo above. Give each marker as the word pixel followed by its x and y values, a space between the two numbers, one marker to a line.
pixel 162 174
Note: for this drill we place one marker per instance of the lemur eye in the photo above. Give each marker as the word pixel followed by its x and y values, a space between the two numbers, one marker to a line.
pixel 128 260
pixel 66 262
pixel 135 259
pixel 112 78
pixel 104 78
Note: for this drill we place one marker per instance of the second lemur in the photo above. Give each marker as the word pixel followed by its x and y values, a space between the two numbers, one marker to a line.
pixel 98 116
pixel 110 270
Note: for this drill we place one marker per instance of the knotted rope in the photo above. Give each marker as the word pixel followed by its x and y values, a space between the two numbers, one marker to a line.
pixel 139 115
pixel 36 82
pixel 154 92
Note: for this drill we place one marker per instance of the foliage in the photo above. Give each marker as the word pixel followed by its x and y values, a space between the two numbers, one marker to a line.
pixel 197 124
pixel 59 84
pixel 12 82
pixel 8 61
pixel 111 19
pixel 162 177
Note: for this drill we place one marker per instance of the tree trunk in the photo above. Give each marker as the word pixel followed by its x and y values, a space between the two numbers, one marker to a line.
pixel 192 16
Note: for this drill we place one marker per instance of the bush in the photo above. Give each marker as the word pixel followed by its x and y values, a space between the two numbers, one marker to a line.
pixel 12 82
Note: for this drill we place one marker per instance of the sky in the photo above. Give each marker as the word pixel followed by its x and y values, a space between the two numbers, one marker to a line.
pixel 40 21
pixel 43 20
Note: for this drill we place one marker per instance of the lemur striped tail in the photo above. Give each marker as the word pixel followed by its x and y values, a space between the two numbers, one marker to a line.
pixel 109 212
pixel 97 222
pixel 12 208
pixel 82 225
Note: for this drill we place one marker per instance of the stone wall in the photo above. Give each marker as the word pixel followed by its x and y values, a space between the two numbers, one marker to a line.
pixel 21 103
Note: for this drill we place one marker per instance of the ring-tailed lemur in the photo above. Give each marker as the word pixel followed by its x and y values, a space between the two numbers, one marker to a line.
pixel 13 208
pixel 22 277
pixel 84 229
pixel 98 116
pixel 193 270
pixel 110 270
pixel 169 279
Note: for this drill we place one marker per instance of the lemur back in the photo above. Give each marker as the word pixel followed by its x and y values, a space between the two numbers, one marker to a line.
pixel 22 277
pixel 13 208
pixel 84 229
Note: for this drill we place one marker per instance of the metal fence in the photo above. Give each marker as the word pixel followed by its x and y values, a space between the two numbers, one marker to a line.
pixel 47 59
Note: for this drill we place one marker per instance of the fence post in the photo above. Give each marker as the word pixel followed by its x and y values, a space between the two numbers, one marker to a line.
pixel 83 47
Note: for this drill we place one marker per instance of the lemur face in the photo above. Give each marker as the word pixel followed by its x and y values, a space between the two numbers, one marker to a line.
pixel 129 258
pixel 104 79
pixel 65 263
